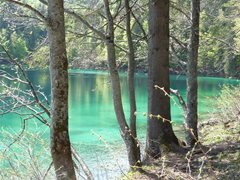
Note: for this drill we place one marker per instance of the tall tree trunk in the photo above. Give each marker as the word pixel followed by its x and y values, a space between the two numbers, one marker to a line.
pixel 159 130
pixel 131 143
pixel 131 68
pixel 192 84
pixel 60 142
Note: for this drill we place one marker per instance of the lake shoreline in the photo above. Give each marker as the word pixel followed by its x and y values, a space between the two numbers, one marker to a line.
pixel 91 114
pixel 215 156
pixel 141 68
pixel 140 71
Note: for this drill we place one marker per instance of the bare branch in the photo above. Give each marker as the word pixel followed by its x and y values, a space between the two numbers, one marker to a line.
pixel 119 9
pixel 180 99
pixel 145 36
pixel 180 10
pixel 179 42
pixel 82 164
pixel 121 48
pixel 28 81
pixel 86 23
pixel 15 139
pixel 27 6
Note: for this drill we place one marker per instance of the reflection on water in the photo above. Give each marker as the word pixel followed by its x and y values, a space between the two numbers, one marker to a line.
pixel 92 115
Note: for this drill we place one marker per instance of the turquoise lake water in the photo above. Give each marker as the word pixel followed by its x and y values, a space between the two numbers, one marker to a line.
pixel 91 114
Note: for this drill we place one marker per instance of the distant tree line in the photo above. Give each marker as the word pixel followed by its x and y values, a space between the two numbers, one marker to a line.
pixel 219 36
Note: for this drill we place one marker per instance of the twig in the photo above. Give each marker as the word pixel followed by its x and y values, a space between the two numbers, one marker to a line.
pixel 47 171
pixel 28 81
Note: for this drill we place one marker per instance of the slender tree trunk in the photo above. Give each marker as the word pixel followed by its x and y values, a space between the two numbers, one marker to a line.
pixel 131 68
pixel 192 84
pixel 130 141
pixel 159 130
pixel 60 142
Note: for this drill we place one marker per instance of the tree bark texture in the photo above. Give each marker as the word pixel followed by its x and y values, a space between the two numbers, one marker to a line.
pixel 129 140
pixel 131 68
pixel 159 131
pixel 192 84
pixel 60 142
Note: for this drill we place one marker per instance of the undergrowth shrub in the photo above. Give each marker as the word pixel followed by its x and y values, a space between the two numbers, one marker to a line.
pixel 228 104
pixel 25 157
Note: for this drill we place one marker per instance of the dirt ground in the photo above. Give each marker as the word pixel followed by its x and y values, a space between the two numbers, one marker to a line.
pixel 217 156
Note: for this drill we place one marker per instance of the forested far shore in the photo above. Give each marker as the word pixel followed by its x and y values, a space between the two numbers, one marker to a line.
pixel 219 37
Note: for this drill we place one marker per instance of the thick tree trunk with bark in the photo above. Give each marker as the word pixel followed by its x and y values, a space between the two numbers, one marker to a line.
pixel 60 142
pixel 131 68
pixel 130 141
pixel 192 84
pixel 159 129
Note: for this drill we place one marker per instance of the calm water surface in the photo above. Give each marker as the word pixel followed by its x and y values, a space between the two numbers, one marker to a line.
pixel 92 115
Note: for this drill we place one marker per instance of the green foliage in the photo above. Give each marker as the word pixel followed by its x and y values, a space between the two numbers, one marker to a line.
pixel 179 33
pixel 228 104
pixel 39 58
pixel 219 36
pixel 219 33
pixel 226 120
pixel 219 47
pixel 16 44
pixel 21 36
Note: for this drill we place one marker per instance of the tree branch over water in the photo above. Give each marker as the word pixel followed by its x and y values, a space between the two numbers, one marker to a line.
pixel 180 99
pixel 34 93
pixel 14 100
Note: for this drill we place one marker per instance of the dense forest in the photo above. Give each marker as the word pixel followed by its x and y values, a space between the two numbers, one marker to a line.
pixel 153 51
pixel 219 36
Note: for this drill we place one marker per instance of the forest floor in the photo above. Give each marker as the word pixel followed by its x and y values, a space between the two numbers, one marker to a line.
pixel 218 156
